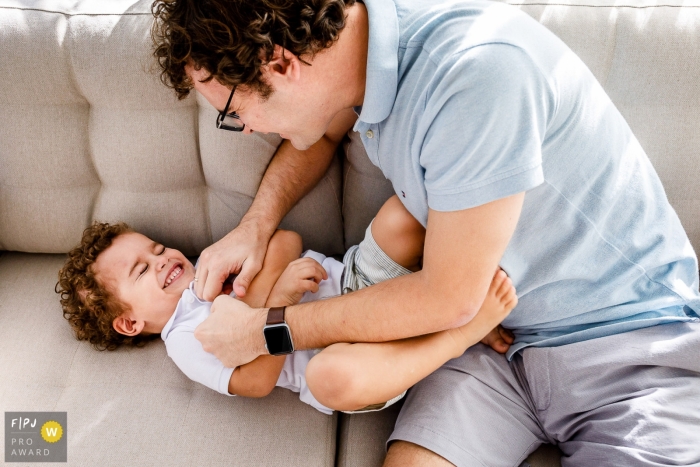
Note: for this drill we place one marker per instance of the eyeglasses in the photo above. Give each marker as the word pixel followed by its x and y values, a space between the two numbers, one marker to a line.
pixel 229 121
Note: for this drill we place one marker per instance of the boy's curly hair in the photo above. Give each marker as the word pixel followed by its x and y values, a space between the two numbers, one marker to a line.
pixel 88 305
pixel 232 39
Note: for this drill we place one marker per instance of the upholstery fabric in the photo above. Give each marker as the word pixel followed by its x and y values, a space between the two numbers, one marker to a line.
pixel 354 432
pixel 134 406
pixel 90 133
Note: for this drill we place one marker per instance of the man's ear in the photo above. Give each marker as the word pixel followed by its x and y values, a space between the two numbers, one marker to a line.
pixel 284 64
pixel 127 326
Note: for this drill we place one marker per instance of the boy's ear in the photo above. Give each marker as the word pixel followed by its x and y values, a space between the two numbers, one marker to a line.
pixel 127 326
pixel 83 294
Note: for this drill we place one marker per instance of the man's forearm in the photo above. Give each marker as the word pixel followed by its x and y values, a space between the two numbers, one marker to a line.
pixel 290 175
pixel 391 310
pixel 462 252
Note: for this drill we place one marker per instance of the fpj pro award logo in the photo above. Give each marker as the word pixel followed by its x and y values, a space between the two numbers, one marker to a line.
pixel 36 436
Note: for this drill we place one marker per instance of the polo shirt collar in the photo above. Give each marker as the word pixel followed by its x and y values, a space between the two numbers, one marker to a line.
pixel 382 61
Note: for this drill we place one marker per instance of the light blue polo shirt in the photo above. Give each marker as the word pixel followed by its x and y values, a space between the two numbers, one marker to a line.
pixel 467 102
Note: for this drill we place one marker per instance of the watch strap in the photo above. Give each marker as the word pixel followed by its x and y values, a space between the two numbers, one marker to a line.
pixel 275 315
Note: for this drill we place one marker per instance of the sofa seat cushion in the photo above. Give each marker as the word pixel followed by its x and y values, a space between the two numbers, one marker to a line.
pixel 134 406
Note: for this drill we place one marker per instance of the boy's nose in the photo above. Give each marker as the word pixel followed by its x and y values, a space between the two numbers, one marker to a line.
pixel 161 263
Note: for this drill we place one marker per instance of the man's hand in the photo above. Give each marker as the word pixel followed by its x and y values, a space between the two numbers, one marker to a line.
pixel 233 332
pixel 240 252
pixel 301 275
pixel 290 175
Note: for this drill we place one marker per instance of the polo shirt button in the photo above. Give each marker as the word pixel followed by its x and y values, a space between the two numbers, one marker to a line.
pixel 190 299
pixel 369 134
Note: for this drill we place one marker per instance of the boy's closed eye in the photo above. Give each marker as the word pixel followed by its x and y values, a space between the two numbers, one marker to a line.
pixel 145 266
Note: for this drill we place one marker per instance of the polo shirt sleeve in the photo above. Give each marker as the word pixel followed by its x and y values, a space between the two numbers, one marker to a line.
pixel 485 122
pixel 196 363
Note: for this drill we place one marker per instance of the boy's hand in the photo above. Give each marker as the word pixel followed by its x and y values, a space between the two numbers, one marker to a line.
pixel 300 276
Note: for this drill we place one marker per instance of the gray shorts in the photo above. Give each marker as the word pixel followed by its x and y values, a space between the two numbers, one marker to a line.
pixel 630 399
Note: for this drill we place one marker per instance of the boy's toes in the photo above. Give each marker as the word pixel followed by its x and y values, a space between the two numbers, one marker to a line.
pixel 506 335
pixel 497 281
pixel 512 299
pixel 500 346
pixel 505 287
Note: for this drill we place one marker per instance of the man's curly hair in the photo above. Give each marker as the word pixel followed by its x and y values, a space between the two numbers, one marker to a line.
pixel 88 305
pixel 232 39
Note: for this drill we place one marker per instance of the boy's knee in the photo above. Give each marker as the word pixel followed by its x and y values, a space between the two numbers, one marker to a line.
pixel 330 380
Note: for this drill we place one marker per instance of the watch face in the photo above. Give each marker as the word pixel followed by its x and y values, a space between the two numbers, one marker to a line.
pixel 278 339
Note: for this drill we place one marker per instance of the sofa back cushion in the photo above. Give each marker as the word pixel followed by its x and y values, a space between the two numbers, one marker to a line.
pixel 89 133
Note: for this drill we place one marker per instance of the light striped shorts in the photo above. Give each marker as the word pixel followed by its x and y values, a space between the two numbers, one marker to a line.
pixel 366 264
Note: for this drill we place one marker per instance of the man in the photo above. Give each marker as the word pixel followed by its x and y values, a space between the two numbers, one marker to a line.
pixel 499 140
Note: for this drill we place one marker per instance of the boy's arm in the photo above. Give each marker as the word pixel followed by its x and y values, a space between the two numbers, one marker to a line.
pixel 258 378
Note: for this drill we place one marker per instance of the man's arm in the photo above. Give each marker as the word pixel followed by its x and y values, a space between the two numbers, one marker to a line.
pixel 290 175
pixel 462 252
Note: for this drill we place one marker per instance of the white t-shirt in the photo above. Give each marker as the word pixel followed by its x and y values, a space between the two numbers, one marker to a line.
pixel 203 367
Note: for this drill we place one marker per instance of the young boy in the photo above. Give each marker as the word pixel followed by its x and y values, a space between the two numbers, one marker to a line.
pixel 119 287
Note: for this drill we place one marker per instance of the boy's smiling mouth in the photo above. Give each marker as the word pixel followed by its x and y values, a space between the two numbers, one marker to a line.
pixel 174 274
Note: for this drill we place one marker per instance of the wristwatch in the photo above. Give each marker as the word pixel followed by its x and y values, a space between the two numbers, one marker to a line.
pixel 278 338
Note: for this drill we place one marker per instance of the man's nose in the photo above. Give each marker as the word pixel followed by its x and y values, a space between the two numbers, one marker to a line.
pixel 248 130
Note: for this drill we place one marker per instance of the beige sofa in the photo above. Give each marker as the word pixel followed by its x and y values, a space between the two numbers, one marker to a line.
pixel 88 132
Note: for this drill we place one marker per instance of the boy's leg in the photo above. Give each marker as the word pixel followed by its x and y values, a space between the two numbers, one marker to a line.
pixel 401 237
pixel 371 262
pixel 354 376
pixel 399 234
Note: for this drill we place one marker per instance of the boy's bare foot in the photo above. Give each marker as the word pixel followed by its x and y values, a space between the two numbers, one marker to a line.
pixel 499 339
pixel 485 327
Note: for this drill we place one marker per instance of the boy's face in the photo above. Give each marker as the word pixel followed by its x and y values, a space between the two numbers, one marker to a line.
pixel 145 276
